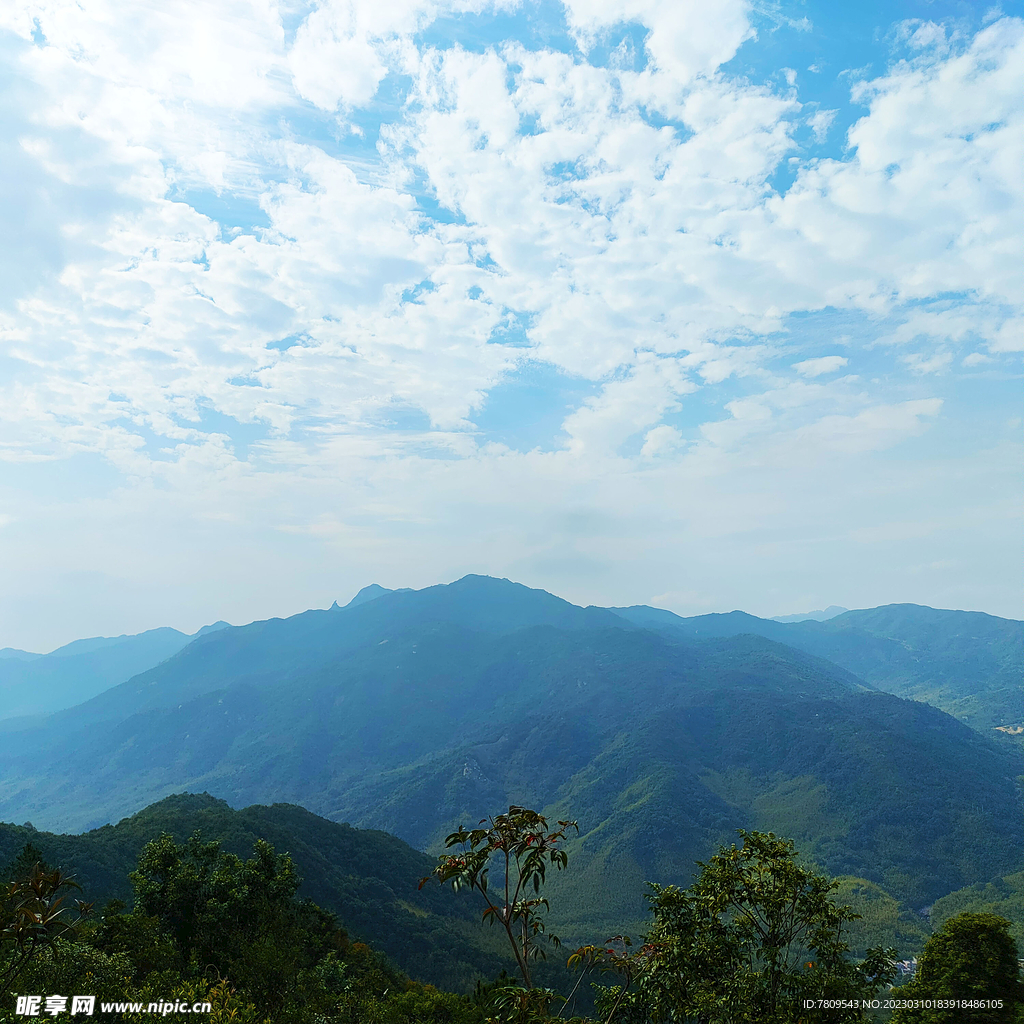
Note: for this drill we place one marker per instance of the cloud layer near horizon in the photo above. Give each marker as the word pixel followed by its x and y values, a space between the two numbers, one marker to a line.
pixel 299 296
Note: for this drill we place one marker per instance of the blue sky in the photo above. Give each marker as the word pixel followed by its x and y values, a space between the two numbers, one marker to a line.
pixel 705 305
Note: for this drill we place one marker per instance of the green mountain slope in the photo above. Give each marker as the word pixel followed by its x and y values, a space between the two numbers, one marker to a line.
pixel 868 785
pixel 316 737
pixel 368 878
pixel 967 663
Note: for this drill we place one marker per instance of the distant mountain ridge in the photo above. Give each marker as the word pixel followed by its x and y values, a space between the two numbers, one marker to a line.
pixel 970 664
pixel 821 615
pixel 13 652
pixel 281 649
pixel 414 710
pixel 372 592
pixel 982 683
pixel 34 684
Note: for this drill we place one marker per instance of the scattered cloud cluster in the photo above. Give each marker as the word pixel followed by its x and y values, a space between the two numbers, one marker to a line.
pixel 281 268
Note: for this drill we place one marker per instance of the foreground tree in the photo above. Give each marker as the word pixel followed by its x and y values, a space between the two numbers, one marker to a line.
pixel 971 958
pixel 230 918
pixel 208 926
pixel 33 913
pixel 616 957
pixel 522 846
pixel 755 936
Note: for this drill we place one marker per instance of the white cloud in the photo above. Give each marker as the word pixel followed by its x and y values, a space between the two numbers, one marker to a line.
pixel 334 60
pixel 922 35
pixel 686 39
pixel 873 429
pixel 931 201
pixel 819 365
pixel 675 241
pixel 210 262
pixel 626 407
pixel 820 122
pixel 976 359
pixel 920 362
pixel 344 48
pixel 1009 337
pixel 662 440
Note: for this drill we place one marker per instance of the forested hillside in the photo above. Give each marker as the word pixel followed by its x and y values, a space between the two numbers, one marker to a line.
pixel 1003 896
pixel 368 878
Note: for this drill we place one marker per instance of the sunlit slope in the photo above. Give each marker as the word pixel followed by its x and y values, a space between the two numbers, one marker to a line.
pixel 867 784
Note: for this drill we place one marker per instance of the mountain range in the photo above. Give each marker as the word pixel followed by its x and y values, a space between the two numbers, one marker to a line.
pixel 415 711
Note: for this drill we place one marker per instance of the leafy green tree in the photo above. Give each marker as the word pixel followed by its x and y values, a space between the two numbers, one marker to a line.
pixel 70 966
pixel 971 957
pixel 210 901
pixel 227 1005
pixel 754 936
pixel 523 848
pixel 141 939
pixel 415 1004
pixel 229 918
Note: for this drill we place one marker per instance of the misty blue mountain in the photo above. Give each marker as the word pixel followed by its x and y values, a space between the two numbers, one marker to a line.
pixel 33 684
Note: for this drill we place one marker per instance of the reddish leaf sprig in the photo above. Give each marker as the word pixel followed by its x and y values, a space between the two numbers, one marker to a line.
pixel 524 848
